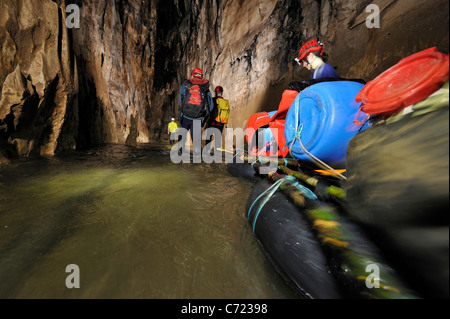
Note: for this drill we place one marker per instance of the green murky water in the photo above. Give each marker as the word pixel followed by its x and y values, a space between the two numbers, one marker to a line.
pixel 135 224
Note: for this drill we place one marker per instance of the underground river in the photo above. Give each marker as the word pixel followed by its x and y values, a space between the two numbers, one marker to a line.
pixel 134 224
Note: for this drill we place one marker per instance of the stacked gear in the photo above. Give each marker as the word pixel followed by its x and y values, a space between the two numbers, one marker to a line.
pixel 385 225
pixel 277 122
pixel 257 124
pixel 330 114
pixel 404 207
pixel 271 127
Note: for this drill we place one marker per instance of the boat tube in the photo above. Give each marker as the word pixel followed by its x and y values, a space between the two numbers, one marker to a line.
pixel 316 247
pixel 291 246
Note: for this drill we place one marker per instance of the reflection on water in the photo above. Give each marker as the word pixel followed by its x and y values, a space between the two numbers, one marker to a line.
pixel 136 224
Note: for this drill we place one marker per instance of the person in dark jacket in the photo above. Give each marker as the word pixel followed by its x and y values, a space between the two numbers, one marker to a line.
pixel 195 105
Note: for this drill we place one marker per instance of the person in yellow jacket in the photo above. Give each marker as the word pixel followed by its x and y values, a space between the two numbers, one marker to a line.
pixel 219 116
pixel 171 128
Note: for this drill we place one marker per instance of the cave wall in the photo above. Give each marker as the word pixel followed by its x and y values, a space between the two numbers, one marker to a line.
pixel 116 78
pixel 38 78
pixel 114 47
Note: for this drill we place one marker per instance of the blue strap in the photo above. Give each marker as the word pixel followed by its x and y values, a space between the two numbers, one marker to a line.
pixel 298 129
pixel 238 150
pixel 268 194
pixel 272 189
pixel 305 191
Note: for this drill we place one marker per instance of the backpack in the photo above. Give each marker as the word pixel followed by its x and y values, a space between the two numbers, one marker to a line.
pixel 194 103
pixel 223 111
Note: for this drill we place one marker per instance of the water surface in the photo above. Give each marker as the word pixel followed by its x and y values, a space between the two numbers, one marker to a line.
pixel 136 225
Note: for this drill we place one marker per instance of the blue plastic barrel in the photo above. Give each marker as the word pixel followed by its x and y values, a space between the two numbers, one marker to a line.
pixel 322 116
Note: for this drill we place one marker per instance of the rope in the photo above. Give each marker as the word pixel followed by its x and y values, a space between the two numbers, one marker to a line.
pixel 253 163
pixel 298 131
pixel 272 189
pixel 238 151
pixel 364 120
pixel 241 150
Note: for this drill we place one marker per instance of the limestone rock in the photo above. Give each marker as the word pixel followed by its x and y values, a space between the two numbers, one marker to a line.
pixel 35 76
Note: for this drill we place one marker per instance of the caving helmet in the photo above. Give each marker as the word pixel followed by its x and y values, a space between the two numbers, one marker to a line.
pixel 197 73
pixel 310 46
pixel 218 89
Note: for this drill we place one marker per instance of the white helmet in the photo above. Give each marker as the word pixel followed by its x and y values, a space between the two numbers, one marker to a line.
pixel 172 119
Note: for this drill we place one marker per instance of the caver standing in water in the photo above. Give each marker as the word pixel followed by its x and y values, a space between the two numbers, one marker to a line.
pixel 195 104
pixel 171 128
pixel 220 115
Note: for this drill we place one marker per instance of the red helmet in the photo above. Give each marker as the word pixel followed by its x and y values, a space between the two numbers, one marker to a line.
pixel 197 73
pixel 310 46
pixel 218 89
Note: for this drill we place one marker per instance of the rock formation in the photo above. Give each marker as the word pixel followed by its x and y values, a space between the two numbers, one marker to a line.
pixel 115 79
pixel 38 78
